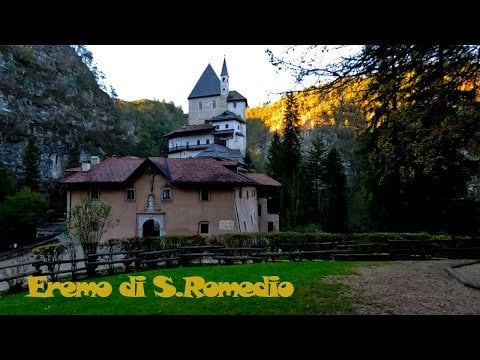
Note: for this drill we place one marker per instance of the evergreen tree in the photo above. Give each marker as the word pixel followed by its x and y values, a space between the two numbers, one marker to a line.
pixel 292 155
pixel 336 189
pixel 274 163
pixel 291 164
pixel 74 157
pixel 31 165
pixel 313 186
pixel 248 162
pixel 6 185
pixel 423 127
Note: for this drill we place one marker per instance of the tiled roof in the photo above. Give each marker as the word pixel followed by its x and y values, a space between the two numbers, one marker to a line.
pixel 221 152
pixel 207 85
pixel 112 170
pixel 226 115
pixel 177 171
pixel 236 96
pixel 201 171
pixel 190 129
pixel 263 179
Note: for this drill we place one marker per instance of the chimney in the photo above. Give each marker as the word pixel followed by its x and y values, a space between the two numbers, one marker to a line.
pixel 94 160
pixel 85 161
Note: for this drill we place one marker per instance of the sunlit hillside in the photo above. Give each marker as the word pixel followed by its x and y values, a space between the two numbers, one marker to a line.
pixel 319 106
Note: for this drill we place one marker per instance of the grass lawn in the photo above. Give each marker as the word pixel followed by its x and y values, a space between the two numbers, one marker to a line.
pixel 311 295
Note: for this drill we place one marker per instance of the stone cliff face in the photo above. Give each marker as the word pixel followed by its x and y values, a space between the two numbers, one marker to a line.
pixel 49 93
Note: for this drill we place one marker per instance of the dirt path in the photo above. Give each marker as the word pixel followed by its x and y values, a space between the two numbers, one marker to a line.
pixel 413 288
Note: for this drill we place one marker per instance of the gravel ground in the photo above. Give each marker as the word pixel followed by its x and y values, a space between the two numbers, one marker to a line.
pixel 412 288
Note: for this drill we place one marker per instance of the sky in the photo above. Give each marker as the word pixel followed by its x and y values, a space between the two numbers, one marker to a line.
pixel 171 71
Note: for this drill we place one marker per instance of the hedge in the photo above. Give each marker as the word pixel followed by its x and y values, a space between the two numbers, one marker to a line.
pixel 272 240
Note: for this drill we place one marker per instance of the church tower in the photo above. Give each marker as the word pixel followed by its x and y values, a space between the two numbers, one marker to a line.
pixel 216 120
pixel 224 79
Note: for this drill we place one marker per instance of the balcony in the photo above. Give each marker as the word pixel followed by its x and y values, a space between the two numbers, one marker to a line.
pixel 173 149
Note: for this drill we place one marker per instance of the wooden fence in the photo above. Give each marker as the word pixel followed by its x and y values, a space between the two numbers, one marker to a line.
pixel 136 260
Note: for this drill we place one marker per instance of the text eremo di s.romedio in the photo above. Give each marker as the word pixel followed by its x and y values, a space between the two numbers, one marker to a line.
pixel 193 287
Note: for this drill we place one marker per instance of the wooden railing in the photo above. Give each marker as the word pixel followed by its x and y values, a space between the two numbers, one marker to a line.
pixel 134 260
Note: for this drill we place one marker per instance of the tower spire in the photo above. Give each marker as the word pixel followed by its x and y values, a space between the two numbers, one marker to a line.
pixel 224 79
pixel 224 67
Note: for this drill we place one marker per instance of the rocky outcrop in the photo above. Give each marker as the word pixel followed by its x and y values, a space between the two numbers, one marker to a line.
pixel 49 93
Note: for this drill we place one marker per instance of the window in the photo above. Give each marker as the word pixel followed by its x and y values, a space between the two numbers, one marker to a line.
pixel 223 89
pixel 94 193
pixel 223 79
pixel 188 144
pixel 226 126
pixel 198 142
pixel 205 195
pixel 203 227
pixel 130 194
pixel 214 104
pixel 167 194
pixel 259 210
pixel 251 219
pixel 217 127
pixel 245 226
pixel 240 193
pixel 208 141
pixel 270 226
pixel 238 127
pixel 247 194
pixel 234 104
pixel 200 105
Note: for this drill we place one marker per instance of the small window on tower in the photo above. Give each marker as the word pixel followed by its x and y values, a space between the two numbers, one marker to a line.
pixel 234 104
pixel 226 126
pixel 198 142
pixel 214 104
pixel 200 105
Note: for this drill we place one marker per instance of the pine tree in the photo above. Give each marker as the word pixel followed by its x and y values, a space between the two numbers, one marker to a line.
pixel 274 163
pixel 31 165
pixel 6 185
pixel 336 189
pixel 291 164
pixel 314 170
pixel 292 155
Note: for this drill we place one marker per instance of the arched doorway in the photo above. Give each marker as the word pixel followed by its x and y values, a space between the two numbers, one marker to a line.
pixel 151 228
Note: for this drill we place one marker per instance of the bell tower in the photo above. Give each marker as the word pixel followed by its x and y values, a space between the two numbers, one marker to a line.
pixel 224 79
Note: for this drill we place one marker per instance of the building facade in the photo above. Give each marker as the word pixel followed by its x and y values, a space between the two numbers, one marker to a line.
pixel 215 115
pixel 165 196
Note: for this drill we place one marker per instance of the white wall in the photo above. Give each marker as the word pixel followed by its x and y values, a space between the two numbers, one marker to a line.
pixel 191 139
pixel 239 110
pixel 232 124
pixel 185 154
pixel 246 209
pixel 197 117
pixel 237 142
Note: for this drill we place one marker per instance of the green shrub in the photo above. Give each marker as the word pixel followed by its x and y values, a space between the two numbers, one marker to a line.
pixel 26 56
pixel 244 239
pixel 173 242
pixel 130 244
pixel 49 254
